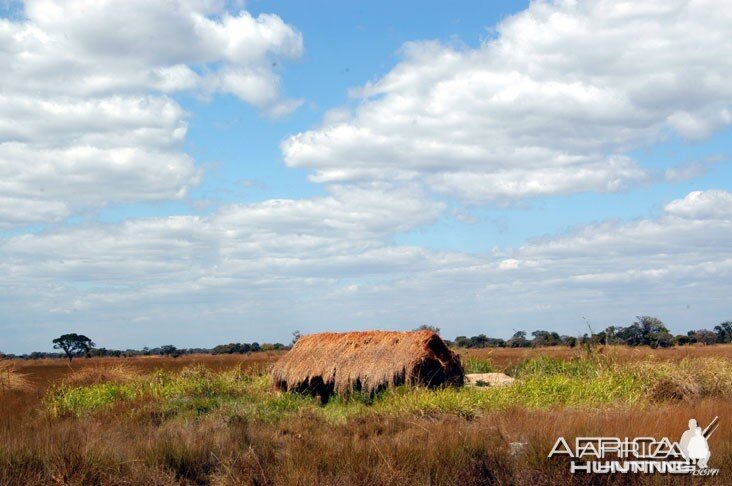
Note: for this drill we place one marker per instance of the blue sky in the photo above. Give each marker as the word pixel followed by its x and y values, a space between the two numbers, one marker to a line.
pixel 203 172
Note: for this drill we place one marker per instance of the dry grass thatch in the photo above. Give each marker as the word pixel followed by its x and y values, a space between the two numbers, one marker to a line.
pixel 323 364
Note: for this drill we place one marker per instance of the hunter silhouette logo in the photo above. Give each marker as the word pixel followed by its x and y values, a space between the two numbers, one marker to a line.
pixel 606 455
pixel 694 442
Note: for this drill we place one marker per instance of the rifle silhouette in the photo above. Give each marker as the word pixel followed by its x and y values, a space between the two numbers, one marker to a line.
pixel 711 428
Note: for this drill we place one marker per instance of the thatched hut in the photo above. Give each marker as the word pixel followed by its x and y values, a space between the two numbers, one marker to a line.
pixel 328 363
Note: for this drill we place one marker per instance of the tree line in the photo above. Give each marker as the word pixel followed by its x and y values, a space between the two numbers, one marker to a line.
pixel 77 345
pixel 645 331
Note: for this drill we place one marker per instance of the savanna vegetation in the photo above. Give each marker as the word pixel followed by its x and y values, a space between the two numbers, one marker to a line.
pixel 645 331
pixel 216 419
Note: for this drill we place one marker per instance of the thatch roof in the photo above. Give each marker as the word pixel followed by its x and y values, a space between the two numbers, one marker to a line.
pixel 329 363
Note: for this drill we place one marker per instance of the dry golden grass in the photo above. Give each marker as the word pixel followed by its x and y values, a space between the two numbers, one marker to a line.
pixel 142 442
pixel 503 359
pixel 113 449
pixel 43 372
pixel 103 373
pixel 11 380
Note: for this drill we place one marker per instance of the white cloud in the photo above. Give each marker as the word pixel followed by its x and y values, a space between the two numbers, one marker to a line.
pixel 87 119
pixel 712 204
pixel 330 261
pixel 85 113
pixel 548 106
pixel 76 47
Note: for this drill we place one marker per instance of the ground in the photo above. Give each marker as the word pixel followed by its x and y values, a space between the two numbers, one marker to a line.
pixel 204 419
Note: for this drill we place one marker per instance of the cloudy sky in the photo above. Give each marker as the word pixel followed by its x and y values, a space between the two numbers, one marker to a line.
pixel 197 171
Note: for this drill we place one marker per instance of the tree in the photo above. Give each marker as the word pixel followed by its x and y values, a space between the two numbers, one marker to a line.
pixel 169 350
pixel 518 340
pixel 545 338
pixel 296 335
pixel 611 335
pixel 647 331
pixel 682 340
pixel 654 332
pixel 462 342
pixel 74 345
pixel 631 335
pixel 724 332
pixel 427 327
pixel 569 341
pixel 703 336
pixel 479 341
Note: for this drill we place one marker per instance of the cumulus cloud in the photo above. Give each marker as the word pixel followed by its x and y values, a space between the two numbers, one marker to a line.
pixel 550 105
pixel 272 248
pixel 76 47
pixel 86 113
pixel 330 261
pixel 705 205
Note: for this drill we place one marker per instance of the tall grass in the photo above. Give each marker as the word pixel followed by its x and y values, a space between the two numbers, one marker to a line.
pixel 11 380
pixel 195 387
pixel 542 382
pixel 226 425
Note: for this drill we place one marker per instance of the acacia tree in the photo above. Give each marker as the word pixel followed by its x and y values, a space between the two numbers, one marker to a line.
pixel 74 345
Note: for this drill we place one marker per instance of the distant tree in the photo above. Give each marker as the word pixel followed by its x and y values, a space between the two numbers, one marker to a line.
pixel 461 342
pixel 169 350
pixel 296 335
pixel 682 340
pixel 646 331
pixel 545 338
pixel 611 335
pixel 74 345
pixel 724 332
pixel 272 346
pixel 427 327
pixel 631 335
pixel 570 341
pixel 654 332
pixel 222 349
pixel 518 340
pixel 479 341
pixel 703 336
pixel 664 339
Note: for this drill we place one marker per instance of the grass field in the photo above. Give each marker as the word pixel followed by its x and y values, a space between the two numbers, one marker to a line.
pixel 204 419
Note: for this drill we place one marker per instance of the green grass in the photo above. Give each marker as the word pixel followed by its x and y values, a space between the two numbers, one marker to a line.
pixel 194 388
pixel 476 365
pixel 543 382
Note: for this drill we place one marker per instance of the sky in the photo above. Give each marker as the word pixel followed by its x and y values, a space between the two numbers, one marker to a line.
pixel 198 172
